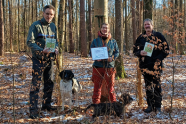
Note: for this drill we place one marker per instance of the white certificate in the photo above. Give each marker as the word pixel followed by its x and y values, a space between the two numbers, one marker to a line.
pixel 51 44
pixel 149 48
pixel 99 53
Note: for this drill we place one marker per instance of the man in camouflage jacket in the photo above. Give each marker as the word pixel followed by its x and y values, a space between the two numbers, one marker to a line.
pixel 42 59
pixel 151 66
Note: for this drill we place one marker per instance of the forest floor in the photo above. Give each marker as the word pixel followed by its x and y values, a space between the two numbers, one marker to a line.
pixel 18 67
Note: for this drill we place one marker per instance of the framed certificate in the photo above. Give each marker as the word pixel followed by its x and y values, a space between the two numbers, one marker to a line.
pixel 99 53
pixel 149 48
pixel 51 44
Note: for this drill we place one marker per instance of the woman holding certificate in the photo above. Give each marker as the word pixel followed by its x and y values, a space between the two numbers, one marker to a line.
pixel 151 48
pixel 104 51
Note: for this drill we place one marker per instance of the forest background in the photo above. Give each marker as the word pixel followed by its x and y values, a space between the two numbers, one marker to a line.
pixel 78 22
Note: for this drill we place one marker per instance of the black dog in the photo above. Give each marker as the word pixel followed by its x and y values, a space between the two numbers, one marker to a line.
pixel 111 108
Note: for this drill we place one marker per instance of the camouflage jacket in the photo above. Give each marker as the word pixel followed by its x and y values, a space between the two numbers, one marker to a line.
pixel 36 38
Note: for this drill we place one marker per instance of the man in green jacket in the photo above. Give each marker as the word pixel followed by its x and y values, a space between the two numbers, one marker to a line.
pixel 40 32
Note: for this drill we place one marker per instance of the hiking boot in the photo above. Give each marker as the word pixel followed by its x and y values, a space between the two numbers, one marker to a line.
pixel 148 110
pixel 49 108
pixel 158 109
pixel 34 116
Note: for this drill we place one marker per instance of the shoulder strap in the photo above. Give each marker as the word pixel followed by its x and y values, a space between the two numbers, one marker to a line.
pixel 42 28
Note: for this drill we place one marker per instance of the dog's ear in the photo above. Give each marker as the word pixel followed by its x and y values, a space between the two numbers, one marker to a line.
pixel 71 75
pixel 62 74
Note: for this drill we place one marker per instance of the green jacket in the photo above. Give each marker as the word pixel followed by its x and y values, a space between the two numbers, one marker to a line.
pixel 36 38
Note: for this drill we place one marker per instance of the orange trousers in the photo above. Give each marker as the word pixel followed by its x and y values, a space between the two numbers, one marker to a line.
pixel 100 77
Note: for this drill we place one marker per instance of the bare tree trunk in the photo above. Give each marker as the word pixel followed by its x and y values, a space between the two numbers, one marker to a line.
pixel 29 12
pixel 181 29
pixel 24 21
pixel 61 31
pixel 126 30
pixel 77 27
pixel 184 23
pixel 172 28
pixel 140 16
pixel 138 25
pixel 90 23
pixel 119 38
pixel 83 29
pixel 61 24
pixel 32 10
pixel 133 21
pixel 100 14
pixel 137 15
pixel 1 29
pixel 154 16
pixel 70 27
pixel 6 23
pixel 66 42
pixel 147 9
pixel 15 27
pixel 113 27
pixel 175 25
pixel 3 5
pixel 55 20
pixel 10 23
pixel 18 42
pixel 36 1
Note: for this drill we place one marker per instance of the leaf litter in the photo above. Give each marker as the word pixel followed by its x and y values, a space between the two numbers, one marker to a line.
pixel 82 69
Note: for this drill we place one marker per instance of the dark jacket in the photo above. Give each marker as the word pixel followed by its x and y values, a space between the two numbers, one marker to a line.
pixel 37 35
pixel 160 51
pixel 113 51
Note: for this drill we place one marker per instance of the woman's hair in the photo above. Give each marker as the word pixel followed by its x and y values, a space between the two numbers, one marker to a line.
pixel 105 24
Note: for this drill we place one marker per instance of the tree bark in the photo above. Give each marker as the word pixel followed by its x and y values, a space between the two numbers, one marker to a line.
pixel 181 29
pixel 176 26
pixel 1 29
pixel 10 24
pixel 32 11
pixel 90 23
pixel 83 29
pixel 36 8
pixel 126 30
pixel 138 25
pixel 118 36
pixel 55 19
pixel 24 21
pixel 61 31
pixel 77 27
pixel 137 15
pixel 66 42
pixel 133 21
pixel 147 9
pixel 18 42
pixel 100 14
pixel 71 27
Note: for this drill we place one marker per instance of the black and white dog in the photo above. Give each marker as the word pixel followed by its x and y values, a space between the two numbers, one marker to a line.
pixel 115 108
pixel 68 86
